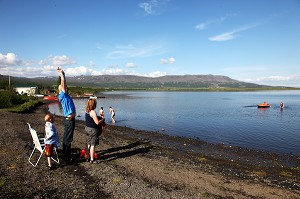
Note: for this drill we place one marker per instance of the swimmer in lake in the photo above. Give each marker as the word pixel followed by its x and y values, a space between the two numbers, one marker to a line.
pixel 281 105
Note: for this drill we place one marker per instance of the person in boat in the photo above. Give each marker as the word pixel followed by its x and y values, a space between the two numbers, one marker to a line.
pixel 281 105
pixel 69 112
pixel 265 103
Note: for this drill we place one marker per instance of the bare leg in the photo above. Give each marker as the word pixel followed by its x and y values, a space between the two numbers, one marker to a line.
pixel 113 119
pixel 49 162
pixel 92 151
pixel 87 151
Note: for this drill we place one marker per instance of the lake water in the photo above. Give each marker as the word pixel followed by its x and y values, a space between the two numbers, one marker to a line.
pixel 231 118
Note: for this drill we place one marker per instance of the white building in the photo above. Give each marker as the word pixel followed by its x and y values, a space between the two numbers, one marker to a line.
pixel 30 91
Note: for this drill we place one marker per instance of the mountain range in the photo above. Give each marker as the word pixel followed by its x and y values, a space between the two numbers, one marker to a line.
pixel 139 82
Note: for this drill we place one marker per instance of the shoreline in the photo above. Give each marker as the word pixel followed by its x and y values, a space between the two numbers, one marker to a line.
pixel 197 145
pixel 135 163
pixel 240 162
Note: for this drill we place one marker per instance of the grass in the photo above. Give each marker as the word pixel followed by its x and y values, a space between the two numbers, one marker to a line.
pixel 286 174
pixel 26 107
pixel 295 168
pixel 3 181
pixel 202 158
pixel 117 181
pixel 259 173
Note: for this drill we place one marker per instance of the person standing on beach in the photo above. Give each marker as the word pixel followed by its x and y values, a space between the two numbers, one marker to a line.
pixel 112 114
pixel 69 113
pixel 51 138
pixel 93 128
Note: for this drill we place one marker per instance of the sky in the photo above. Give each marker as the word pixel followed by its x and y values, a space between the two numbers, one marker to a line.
pixel 255 41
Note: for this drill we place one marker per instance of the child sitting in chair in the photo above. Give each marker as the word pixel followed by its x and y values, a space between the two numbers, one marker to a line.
pixel 51 138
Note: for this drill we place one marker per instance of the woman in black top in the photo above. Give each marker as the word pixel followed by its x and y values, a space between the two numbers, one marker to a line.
pixel 93 127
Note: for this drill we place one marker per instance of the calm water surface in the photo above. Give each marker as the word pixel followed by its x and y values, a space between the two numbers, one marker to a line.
pixel 231 118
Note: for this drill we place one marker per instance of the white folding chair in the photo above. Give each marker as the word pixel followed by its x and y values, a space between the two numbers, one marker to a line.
pixel 40 146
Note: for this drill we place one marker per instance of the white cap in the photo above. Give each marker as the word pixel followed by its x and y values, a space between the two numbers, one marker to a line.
pixel 93 97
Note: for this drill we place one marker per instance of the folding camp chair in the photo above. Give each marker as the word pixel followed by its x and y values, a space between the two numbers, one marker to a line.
pixel 40 146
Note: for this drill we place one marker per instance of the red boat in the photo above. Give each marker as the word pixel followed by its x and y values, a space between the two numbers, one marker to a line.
pixel 51 98
pixel 263 105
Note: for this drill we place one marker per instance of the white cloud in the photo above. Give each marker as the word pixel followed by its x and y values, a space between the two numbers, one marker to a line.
pixel 28 63
pixel 147 8
pixel 10 59
pixel 130 65
pixel 223 37
pixel 49 68
pixel 155 74
pixel 204 25
pixel 113 71
pixel 153 7
pixel 163 61
pixel 43 62
pixel 78 71
pixel 171 60
pixel 22 71
pixel 62 61
pixel 130 51
pixel 232 34
pixel 201 26
pixel 119 71
pixel 275 80
pixel 91 63
pixel 58 61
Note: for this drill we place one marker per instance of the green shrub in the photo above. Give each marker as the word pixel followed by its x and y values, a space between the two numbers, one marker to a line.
pixel 17 103
pixel 19 99
pixel 5 99
pixel 26 107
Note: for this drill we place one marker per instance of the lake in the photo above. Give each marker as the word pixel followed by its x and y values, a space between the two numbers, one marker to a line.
pixel 231 118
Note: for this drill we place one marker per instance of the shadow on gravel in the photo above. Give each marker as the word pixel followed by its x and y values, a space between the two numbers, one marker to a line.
pixel 108 154
pixel 125 151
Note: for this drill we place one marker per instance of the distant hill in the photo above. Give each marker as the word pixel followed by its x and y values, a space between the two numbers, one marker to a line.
pixel 139 82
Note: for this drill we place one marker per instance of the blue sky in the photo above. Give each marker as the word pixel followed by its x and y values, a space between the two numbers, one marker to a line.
pixel 255 41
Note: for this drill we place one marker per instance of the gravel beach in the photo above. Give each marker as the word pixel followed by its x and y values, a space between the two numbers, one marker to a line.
pixel 140 164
